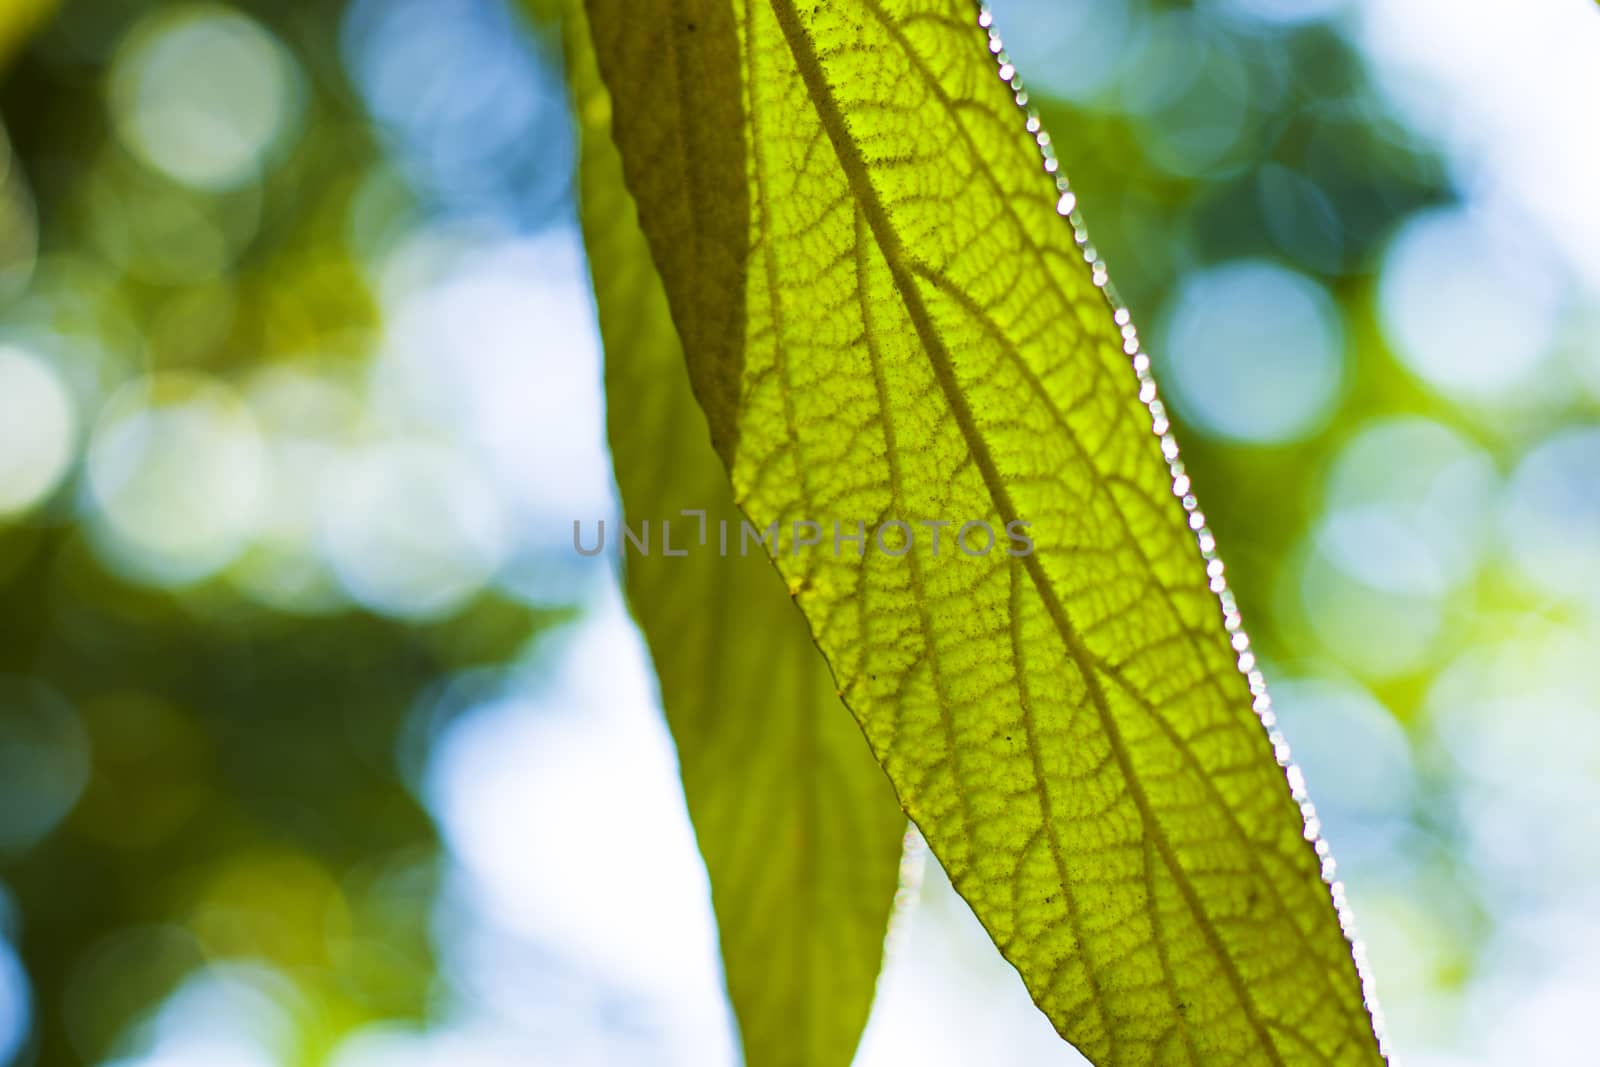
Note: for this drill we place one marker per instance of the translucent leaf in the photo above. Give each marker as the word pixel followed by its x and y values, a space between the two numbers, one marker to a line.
pixel 887 320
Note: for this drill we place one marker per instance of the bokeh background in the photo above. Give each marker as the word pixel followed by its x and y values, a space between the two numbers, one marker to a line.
pixel 318 745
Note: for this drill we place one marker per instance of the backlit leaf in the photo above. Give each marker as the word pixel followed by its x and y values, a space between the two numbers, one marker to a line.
pixel 886 319
pixel 798 825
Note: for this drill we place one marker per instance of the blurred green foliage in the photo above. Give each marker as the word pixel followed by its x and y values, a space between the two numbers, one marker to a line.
pixel 228 769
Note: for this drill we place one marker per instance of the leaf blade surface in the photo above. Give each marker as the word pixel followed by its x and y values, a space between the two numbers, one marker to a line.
pixel 922 340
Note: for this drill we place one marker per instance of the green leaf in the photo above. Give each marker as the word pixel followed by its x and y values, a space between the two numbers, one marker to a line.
pixel 909 331
pixel 798 825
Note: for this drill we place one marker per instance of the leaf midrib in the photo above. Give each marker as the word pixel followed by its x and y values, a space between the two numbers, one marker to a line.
pixel 1185 633
pixel 896 259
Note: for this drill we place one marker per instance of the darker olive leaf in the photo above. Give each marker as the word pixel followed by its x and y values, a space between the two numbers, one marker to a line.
pixel 692 176
pixel 920 339
pixel 798 826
